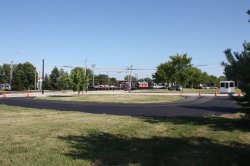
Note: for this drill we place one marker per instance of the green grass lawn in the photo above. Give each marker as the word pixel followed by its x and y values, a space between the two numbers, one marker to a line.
pixel 114 98
pixel 47 137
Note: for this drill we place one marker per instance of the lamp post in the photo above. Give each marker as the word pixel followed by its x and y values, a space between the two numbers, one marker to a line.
pixel 43 77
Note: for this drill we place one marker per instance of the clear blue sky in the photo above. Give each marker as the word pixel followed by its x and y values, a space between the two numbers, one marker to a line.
pixel 118 33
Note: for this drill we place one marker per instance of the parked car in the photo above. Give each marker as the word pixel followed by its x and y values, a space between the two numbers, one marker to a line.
pixel 175 87
pixel 205 87
pixel 5 86
pixel 158 86
pixel 197 87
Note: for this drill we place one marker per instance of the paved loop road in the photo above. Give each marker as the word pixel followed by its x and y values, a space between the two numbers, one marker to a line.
pixel 190 106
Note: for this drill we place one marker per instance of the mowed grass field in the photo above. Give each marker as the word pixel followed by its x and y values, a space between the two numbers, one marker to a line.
pixel 47 137
pixel 117 98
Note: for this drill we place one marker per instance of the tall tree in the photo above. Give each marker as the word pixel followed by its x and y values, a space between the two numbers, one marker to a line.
pixel 113 81
pixel 64 80
pixel 5 73
pixel 1 73
pixel 23 76
pixel 89 75
pixel 102 79
pixel 195 76
pixel 30 72
pixel 237 68
pixel 19 78
pixel 132 78
pixel 164 73
pixel 175 70
pixel 222 78
pixel 54 78
pixel 77 78
pixel 46 82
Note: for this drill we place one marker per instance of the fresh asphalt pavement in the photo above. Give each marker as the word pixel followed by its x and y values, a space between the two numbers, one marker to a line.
pixel 190 106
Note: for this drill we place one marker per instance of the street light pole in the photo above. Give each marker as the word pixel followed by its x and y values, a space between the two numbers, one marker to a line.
pixel 43 77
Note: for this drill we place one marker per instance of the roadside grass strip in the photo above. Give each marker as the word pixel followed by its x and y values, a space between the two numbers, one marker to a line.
pixel 117 98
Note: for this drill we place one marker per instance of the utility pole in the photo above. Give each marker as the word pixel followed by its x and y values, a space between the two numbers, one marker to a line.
pixel 93 81
pixel 11 73
pixel 130 78
pixel 136 76
pixel 85 62
pixel 43 77
pixel 35 80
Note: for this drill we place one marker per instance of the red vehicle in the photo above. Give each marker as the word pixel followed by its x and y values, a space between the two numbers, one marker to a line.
pixel 142 85
pixel 134 85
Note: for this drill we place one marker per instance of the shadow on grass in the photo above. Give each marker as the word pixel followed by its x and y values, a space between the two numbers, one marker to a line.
pixel 107 149
pixel 215 123
pixel 213 109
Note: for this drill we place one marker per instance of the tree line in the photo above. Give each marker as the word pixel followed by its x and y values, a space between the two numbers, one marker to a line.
pixel 179 70
pixel 237 68
pixel 24 77
pixel 19 76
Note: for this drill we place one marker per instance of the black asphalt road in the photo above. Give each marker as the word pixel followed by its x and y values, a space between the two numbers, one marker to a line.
pixel 190 106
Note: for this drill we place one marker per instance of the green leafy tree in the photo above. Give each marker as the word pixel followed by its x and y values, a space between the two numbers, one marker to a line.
pixel 237 69
pixel 64 80
pixel 89 75
pixel 23 76
pixel 175 70
pixel 1 74
pixel 222 78
pixel 113 81
pixel 5 73
pixel 164 73
pixel 79 80
pixel 148 80
pixel 86 80
pixel 195 76
pixel 19 78
pixel 213 79
pixel 204 78
pixel 54 78
pixel 230 69
pixel 30 72
pixel 102 79
pixel 46 82
pixel 132 78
